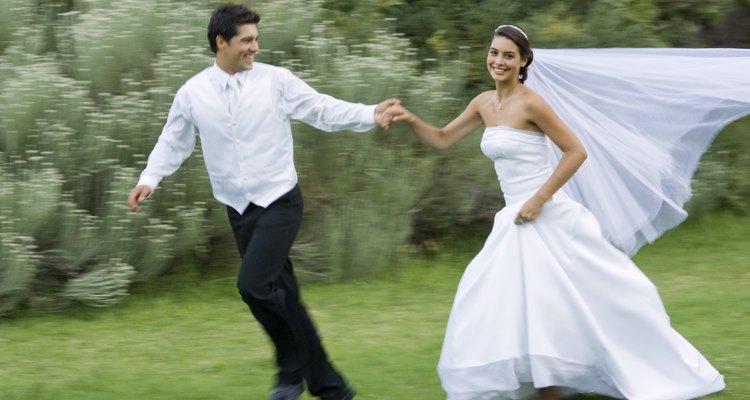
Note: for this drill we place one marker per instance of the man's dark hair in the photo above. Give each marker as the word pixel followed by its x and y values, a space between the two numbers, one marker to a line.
pixel 225 20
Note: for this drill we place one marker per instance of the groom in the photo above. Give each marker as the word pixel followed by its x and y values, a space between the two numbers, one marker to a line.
pixel 242 110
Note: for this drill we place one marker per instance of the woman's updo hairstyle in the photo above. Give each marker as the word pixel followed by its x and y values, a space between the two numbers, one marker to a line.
pixel 519 37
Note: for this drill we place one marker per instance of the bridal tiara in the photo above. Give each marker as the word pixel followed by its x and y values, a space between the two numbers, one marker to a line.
pixel 514 27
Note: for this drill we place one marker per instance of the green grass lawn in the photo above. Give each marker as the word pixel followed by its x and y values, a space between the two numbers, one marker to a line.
pixel 200 342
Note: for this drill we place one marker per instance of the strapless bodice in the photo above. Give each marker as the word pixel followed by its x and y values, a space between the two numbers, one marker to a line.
pixel 521 160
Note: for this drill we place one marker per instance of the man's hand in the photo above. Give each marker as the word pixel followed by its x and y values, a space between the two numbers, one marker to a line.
pixel 137 195
pixel 383 119
pixel 397 112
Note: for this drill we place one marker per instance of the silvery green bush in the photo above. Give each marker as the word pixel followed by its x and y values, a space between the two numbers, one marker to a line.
pixel 78 122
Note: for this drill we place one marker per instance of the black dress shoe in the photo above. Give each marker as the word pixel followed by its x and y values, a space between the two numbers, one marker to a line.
pixel 285 391
pixel 347 395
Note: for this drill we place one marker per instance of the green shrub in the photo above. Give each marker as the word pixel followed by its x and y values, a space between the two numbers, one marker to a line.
pixel 20 262
pixel 361 189
pixel 721 181
pixel 116 40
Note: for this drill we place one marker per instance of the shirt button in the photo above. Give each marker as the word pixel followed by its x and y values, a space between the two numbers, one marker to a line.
pixel 248 196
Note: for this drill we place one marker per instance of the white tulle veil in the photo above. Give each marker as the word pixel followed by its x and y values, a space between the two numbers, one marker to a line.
pixel 645 116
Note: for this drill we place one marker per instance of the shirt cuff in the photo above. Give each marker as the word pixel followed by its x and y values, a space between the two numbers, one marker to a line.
pixel 149 181
pixel 368 115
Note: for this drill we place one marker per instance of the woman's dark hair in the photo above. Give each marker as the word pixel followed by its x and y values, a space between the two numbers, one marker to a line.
pixel 518 36
pixel 225 20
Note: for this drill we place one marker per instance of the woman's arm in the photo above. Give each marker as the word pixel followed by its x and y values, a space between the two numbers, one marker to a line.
pixel 542 115
pixel 440 138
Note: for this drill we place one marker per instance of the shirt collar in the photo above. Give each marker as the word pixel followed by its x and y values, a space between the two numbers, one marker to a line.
pixel 220 78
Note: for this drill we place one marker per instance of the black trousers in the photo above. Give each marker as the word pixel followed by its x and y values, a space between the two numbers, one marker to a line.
pixel 268 286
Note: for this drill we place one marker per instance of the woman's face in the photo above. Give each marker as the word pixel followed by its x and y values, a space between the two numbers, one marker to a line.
pixel 504 59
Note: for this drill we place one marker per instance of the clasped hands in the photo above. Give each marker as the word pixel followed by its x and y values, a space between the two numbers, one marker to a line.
pixel 389 111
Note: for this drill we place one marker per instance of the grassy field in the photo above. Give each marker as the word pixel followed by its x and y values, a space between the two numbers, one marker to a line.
pixel 200 342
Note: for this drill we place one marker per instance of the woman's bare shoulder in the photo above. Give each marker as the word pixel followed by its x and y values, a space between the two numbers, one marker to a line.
pixel 484 96
pixel 533 101
pixel 481 99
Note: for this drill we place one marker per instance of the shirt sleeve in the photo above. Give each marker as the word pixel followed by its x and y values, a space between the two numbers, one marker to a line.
pixel 175 144
pixel 322 111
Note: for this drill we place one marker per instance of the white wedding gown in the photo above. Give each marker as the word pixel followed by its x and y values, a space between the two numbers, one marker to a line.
pixel 553 303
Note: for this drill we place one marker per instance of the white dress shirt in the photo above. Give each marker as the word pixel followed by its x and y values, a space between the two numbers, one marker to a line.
pixel 249 154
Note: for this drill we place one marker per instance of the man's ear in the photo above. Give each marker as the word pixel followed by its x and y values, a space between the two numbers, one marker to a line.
pixel 221 42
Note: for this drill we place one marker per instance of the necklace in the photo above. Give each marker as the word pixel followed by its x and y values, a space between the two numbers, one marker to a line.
pixel 500 104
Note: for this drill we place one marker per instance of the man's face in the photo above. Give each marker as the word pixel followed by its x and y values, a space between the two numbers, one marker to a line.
pixel 239 53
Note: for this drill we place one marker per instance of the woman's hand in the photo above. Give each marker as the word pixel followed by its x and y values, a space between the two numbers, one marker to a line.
pixel 530 210
pixel 397 112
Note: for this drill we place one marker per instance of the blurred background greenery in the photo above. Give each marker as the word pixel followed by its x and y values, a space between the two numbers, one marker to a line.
pixel 85 86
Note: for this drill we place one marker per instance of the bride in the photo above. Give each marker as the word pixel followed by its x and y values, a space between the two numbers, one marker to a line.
pixel 552 305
